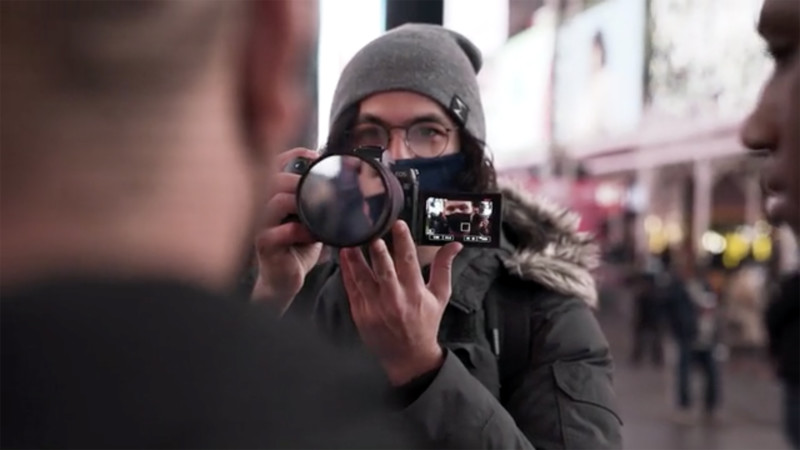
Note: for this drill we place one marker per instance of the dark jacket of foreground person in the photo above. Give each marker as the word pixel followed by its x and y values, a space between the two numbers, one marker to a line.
pixel 783 326
pixel 551 385
pixel 102 364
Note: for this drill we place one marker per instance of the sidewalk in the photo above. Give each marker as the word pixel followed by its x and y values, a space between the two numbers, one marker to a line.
pixel 749 418
pixel 750 412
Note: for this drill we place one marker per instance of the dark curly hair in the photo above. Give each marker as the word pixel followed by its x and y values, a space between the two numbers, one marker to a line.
pixel 480 175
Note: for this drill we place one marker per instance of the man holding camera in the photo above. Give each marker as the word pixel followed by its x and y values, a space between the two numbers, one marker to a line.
pixel 138 139
pixel 487 348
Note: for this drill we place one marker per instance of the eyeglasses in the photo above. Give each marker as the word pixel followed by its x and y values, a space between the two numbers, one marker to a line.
pixel 424 139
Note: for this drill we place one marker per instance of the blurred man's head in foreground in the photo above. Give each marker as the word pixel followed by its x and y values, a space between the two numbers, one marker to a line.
pixel 773 128
pixel 138 136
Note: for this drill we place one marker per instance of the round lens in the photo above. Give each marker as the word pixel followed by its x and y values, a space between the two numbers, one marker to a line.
pixel 369 135
pixel 341 202
pixel 427 139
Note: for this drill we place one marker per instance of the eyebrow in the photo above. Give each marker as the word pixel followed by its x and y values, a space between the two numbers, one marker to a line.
pixel 433 117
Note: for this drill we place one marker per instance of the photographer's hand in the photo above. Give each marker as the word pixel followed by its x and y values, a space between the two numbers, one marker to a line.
pixel 397 315
pixel 286 252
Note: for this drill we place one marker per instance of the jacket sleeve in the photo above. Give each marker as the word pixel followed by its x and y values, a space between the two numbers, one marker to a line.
pixel 456 411
pixel 305 301
pixel 565 397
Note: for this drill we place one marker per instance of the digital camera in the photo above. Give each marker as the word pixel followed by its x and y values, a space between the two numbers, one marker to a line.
pixel 347 200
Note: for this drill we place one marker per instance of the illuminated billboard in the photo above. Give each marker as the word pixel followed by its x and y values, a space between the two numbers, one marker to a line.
pixel 600 63
pixel 516 39
pixel 706 57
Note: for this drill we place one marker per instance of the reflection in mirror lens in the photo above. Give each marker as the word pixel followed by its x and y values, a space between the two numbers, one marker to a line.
pixel 329 168
pixel 375 205
pixel 334 200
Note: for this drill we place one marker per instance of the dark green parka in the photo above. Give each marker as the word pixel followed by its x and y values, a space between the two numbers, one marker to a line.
pixel 526 365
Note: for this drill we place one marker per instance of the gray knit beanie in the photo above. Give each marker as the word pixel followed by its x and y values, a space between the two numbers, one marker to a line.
pixel 426 59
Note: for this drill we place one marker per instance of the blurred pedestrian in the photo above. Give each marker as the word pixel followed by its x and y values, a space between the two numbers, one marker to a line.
pixel 138 139
pixel 648 320
pixel 693 312
pixel 773 129
pixel 707 344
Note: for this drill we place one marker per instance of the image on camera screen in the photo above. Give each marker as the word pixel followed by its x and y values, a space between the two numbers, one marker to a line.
pixel 472 219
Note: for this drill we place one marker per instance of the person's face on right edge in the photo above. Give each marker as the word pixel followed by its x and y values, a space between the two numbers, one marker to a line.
pixel 774 126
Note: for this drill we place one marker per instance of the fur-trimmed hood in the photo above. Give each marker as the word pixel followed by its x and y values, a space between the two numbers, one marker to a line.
pixel 547 246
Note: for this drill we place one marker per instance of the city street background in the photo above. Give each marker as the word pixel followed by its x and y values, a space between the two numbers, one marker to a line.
pixel 751 399
pixel 628 112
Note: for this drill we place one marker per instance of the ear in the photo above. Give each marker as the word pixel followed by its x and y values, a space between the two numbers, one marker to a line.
pixel 271 75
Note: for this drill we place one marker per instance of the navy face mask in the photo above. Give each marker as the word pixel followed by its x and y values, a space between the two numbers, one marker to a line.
pixel 436 174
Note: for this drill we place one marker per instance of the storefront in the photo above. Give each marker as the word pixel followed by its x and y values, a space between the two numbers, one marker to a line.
pixel 684 152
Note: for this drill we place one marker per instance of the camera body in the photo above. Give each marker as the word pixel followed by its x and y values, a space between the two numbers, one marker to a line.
pixel 409 185
pixel 434 218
